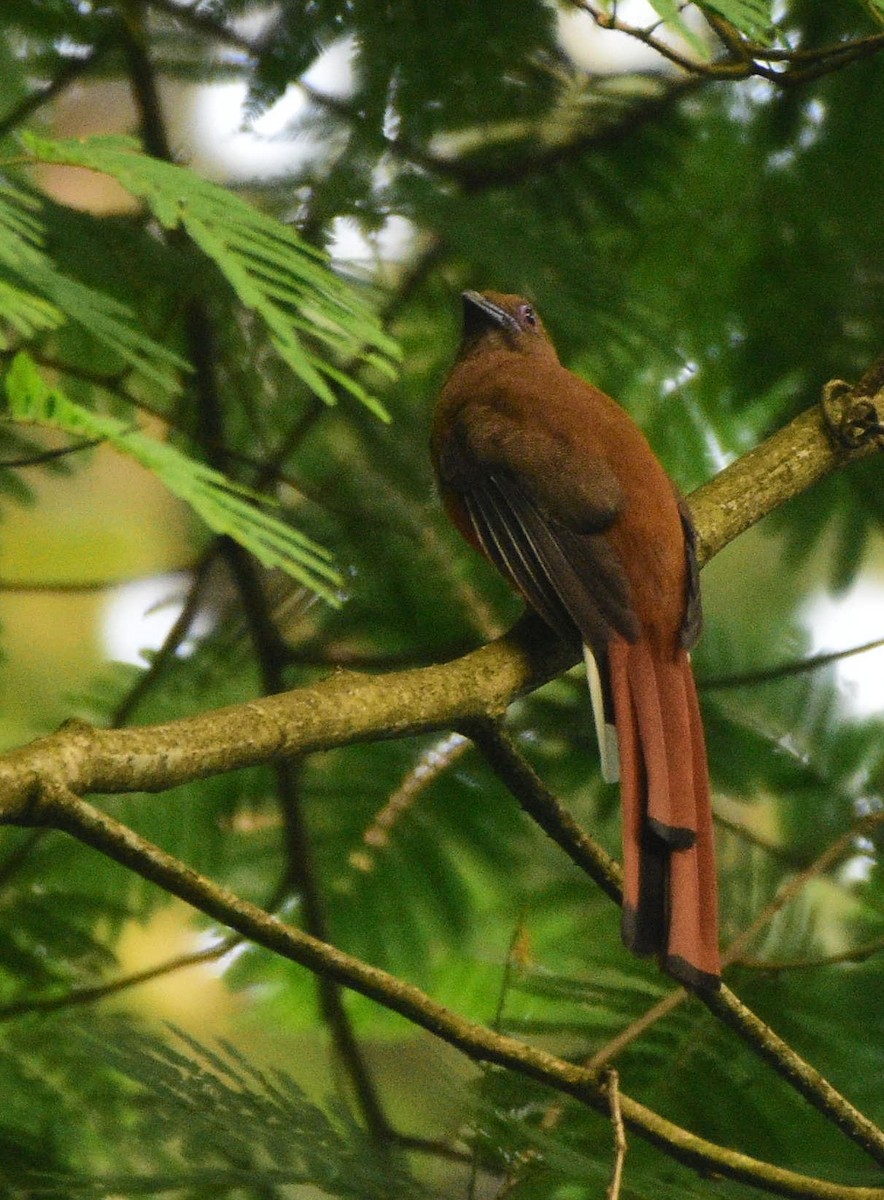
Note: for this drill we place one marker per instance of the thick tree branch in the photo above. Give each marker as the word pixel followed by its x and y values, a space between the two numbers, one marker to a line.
pixel 343 709
pixel 817 442
pixel 350 707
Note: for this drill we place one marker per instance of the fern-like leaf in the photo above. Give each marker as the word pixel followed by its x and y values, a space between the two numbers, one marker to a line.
pixel 35 296
pixel 239 1130
pixel 274 274
pixel 751 17
pixel 226 507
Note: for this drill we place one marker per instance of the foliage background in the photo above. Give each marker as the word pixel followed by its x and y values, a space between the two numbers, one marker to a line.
pixel 710 252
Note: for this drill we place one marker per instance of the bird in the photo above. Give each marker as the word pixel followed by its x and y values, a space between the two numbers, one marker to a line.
pixel 555 484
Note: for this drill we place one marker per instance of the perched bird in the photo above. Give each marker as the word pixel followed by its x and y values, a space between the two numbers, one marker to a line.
pixel 556 485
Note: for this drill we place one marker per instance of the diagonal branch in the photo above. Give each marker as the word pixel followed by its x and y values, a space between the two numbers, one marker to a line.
pixel 540 804
pixel 54 805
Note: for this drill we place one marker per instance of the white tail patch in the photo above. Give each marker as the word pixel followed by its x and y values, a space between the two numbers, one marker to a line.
pixel 609 750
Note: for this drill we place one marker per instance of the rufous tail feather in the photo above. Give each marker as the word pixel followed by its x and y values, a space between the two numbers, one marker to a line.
pixel 670 893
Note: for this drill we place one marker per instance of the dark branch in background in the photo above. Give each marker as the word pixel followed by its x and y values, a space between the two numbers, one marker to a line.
pixel 39 457
pixel 772 674
pixel 171 643
pixel 203 23
pixel 541 805
pixel 19 855
pixel 266 640
pixel 69 72
pixel 101 991
pixel 475 177
pixel 298 852
pixel 744 57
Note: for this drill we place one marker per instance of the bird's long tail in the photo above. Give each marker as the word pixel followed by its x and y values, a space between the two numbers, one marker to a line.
pixel 670 892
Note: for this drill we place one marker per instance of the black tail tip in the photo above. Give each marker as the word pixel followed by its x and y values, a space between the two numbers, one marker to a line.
pixel 643 931
pixel 676 837
pixel 693 978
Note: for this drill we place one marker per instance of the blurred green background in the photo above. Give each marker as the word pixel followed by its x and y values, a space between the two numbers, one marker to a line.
pixel 709 251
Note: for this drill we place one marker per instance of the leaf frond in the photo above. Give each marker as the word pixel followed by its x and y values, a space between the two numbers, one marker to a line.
pixel 227 508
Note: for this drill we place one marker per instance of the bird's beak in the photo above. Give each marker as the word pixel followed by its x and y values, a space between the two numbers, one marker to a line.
pixel 481 315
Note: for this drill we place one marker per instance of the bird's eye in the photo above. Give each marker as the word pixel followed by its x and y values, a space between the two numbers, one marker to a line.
pixel 529 316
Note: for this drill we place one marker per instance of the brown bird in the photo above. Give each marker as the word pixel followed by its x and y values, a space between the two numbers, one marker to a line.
pixel 552 481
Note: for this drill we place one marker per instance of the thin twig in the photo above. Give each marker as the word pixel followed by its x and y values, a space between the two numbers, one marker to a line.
pixel 743 57
pixel 70 71
pixel 431 763
pixel 774 966
pixel 43 456
pixel 615 1046
pixel 612 1087
pixel 833 854
pixel 785 670
pixel 171 642
pixel 81 996
pixel 76 586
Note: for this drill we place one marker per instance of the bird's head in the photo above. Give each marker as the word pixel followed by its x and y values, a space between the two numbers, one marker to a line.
pixel 493 320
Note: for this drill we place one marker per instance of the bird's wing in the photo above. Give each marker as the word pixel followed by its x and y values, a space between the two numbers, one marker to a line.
pixel 573 580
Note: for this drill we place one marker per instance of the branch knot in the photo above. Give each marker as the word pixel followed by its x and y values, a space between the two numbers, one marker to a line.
pixel 852 413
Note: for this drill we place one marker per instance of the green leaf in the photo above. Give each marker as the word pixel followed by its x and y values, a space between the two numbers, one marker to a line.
pixel 35 296
pixel 226 507
pixel 240 1129
pixel 670 11
pixel 276 275
pixel 751 17
pixel 26 313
